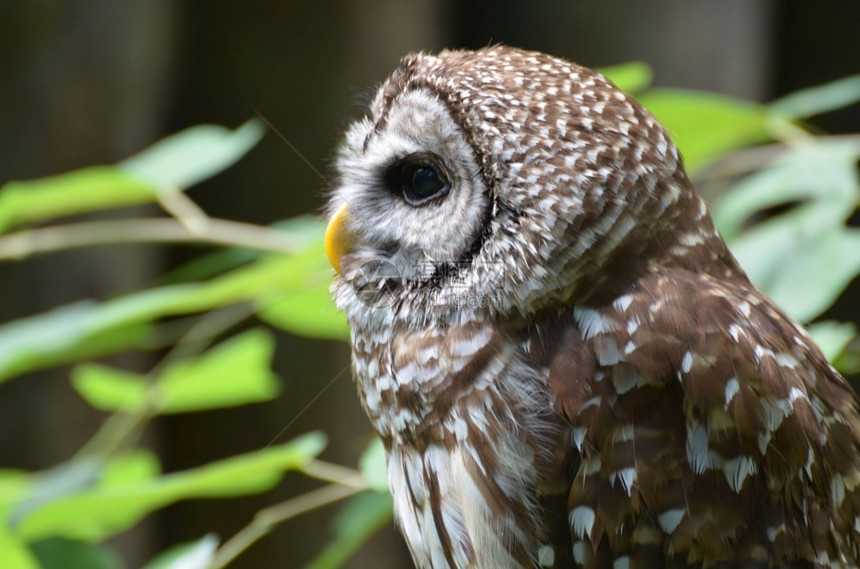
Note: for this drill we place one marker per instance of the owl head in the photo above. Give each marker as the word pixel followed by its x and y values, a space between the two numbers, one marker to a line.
pixel 500 183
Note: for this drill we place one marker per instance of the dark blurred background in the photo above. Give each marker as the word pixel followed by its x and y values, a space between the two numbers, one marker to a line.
pixel 84 82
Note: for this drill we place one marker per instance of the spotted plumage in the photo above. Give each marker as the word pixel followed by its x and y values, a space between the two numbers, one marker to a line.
pixel 566 365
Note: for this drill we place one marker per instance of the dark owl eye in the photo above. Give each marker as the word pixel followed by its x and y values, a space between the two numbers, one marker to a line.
pixel 425 184
pixel 417 179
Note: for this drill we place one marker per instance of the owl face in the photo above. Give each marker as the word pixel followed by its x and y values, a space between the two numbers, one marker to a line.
pixel 413 188
pixel 500 183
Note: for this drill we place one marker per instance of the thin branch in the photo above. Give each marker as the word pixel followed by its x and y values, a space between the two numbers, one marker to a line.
pixel 144 230
pixel 119 428
pixel 123 427
pixel 184 209
pixel 335 473
pixel 265 520
pixel 199 336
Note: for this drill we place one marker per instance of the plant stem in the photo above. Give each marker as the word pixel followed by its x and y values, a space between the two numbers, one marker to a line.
pixel 145 230
pixel 122 428
pixel 265 520
pixel 335 473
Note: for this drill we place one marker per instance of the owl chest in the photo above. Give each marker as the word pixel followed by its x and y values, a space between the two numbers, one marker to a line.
pixel 467 506
pixel 464 383
pixel 419 385
pixel 472 452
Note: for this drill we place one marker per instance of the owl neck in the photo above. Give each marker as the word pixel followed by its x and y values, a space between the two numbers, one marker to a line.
pixel 683 238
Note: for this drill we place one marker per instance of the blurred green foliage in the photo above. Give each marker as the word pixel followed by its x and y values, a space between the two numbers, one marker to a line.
pixel 784 212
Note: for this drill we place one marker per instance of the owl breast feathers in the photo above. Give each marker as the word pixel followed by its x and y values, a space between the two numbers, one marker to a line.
pixel 566 365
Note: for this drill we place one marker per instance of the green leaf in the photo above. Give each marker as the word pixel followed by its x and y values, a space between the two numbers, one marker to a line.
pixel 81 191
pixel 192 155
pixel 107 509
pixel 88 329
pixel 14 485
pixel 77 476
pixel 706 125
pixel 803 259
pixel 38 336
pixel 193 555
pixel 820 99
pixel 14 553
pixel 178 161
pixel 631 77
pixel 212 264
pixel 310 313
pixel 235 372
pixel 832 337
pixel 360 519
pixel 373 467
pixel 109 389
pixel 138 465
pixel 65 479
pixel 61 335
pixel 264 277
pixel 821 170
pixel 59 553
pixel 304 305
pixel 848 362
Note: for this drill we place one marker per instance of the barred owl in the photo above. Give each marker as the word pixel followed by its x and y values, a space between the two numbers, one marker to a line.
pixel 564 362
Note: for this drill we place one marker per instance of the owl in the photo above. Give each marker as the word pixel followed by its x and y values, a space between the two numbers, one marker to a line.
pixel 564 362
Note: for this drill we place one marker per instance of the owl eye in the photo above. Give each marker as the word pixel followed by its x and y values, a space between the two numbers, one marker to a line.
pixel 417 179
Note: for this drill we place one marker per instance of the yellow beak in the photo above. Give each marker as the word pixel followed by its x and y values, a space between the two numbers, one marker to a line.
pixel 337 237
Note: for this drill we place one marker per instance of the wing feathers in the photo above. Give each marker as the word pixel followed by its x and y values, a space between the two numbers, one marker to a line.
pixel 713 422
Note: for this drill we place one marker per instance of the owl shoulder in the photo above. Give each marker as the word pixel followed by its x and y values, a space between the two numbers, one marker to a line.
pixel 722 363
